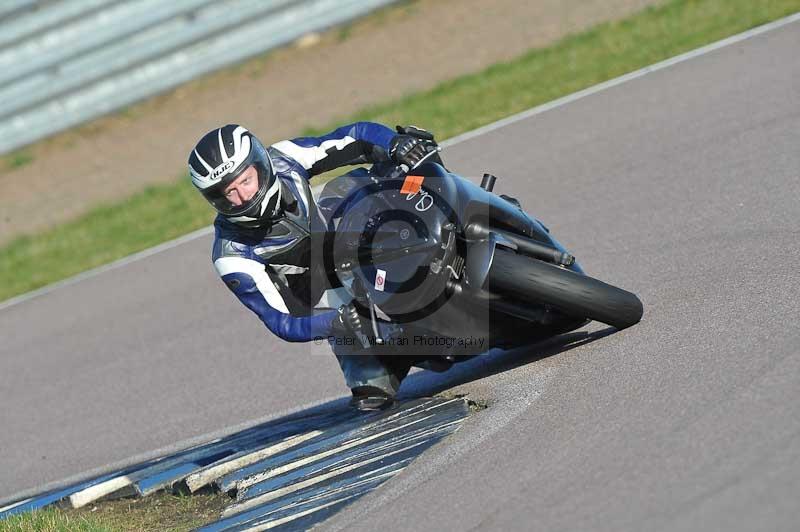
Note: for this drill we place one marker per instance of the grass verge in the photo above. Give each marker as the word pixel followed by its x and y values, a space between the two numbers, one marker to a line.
pixel 104 234
pixel 160 512
pixel 17 159
pixel 574 63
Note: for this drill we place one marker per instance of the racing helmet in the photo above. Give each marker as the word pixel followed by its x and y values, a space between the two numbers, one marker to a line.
pixel 219 158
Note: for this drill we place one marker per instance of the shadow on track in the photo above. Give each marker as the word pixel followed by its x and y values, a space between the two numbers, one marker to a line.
pixel 429 383
pixel 326 416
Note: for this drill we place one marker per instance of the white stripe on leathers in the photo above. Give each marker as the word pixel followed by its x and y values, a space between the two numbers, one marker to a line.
pixel 254 269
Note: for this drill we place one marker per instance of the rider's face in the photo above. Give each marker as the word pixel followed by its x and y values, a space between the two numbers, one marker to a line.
pixel 243 187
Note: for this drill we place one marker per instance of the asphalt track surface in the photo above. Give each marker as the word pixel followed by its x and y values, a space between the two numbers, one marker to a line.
pixel 682 186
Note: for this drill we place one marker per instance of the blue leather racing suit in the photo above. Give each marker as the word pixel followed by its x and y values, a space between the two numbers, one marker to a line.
pixel 276 270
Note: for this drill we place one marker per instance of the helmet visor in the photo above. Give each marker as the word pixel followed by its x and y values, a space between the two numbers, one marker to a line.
pixel 243 191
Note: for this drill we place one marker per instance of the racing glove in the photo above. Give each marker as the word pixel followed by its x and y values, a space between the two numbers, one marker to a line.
pixel 411 145
pixel 347 321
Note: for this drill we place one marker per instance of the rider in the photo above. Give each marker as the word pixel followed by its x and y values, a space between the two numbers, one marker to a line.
pixel 266 214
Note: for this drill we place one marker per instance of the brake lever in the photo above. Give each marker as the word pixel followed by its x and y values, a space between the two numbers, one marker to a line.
pixel 427 156
pixel 403 169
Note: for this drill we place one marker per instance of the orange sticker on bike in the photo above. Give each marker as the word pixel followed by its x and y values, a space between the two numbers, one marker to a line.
pixel 412 184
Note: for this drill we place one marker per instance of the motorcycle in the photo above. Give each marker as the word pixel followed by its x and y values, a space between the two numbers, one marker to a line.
pixel 443 269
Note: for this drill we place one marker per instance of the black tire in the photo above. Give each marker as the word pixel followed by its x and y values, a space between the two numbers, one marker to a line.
pixel 525 279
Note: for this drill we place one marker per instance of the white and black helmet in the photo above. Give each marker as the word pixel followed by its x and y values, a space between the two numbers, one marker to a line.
pixel 219 158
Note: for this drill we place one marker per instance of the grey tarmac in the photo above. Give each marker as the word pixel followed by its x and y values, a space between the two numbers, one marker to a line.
pixel 681 186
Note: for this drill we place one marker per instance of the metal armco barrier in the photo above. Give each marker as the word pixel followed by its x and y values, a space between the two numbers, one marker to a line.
pixel 66 62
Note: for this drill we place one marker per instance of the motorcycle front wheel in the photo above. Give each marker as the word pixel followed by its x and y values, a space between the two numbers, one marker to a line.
pixel 527 280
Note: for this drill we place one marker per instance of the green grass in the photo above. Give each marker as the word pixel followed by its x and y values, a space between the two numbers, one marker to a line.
pixel 574 63
pixel 17 159
pixel 160 512
pixel 51 520
pixel 156 214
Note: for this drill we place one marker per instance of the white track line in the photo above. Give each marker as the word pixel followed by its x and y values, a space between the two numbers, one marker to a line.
pixel 449 142
pixel 622 79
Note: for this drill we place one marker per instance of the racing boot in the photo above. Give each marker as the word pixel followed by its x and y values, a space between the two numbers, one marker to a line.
pixel 373 382
pixel 370 398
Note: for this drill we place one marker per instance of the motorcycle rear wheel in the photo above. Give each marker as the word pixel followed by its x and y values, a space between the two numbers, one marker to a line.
pixel 527 280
